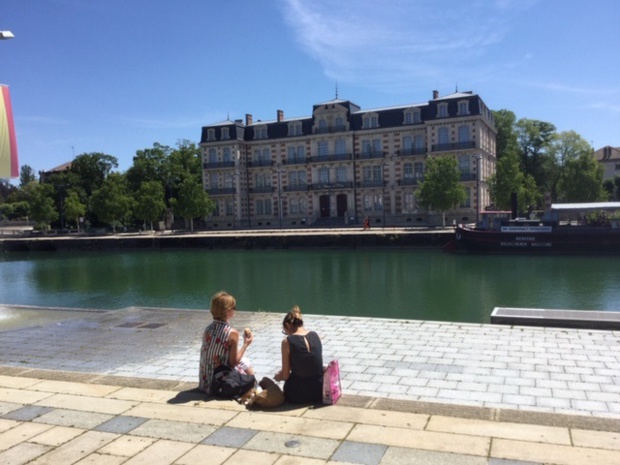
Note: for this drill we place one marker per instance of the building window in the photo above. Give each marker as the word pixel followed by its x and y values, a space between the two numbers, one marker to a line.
pixel 409 203
pixel 377 173
pixel 341 174
pixel 225 133
pixel 370 121
pixel 418 143
pixel 211 134
pixel 323 148
pixel 294 129
pixel 418 170
pixel 617 166
pixel 443 136
pixel 322 126
pixel 323 175
pixel 378 202
pixel 297 178
pixel 442 110
pixel 417 116
pixel 226 154
pixel 408 117
pixel 262 180
pixel 263 207
pixel 463 108
pixel 214 180
pixel 368 202
pixel 339 124
pixel 230 207
pixel 464 133
pixel 260 132
pixel 341 147
pixel 407 145
pixel 467 202
pixel 365 147
pixel 212 156
pixel 376 146
pixel 408 171
pixel 464 164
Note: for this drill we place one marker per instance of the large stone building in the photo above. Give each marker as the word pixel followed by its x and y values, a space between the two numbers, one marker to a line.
pixel 343 163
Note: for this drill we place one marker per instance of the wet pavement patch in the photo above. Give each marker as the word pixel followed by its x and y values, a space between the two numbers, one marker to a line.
pixel 120 425
pixel 27 413
pixel 229 437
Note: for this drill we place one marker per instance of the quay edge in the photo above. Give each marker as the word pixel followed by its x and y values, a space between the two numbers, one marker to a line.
pixel 347 239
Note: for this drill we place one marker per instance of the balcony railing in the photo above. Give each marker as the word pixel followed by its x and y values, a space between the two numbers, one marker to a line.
pixel 468 177
pixel 454 146
pixel 295 161
pixel 371 155
pixel 218 164
pixel 330 129
pixel 222 191
pixel 262 189
pixel 410 181
pixel 296 188
pixel 324 186
pixel 368 184
pixel 255 163
pixel 328 158
pixel 411 151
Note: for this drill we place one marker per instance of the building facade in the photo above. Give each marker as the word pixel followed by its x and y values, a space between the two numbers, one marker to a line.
pixel 609 158
pixel 342 164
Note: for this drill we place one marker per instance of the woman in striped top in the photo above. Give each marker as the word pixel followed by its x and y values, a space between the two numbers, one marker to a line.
pixel 220 342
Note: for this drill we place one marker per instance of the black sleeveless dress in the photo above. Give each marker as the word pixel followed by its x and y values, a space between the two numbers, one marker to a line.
pixel 305 383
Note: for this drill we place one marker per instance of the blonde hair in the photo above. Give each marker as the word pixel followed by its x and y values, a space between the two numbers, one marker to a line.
pixel 293 317
pixel 221 303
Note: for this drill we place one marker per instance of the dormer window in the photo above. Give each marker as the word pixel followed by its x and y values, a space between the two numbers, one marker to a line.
pixel 464 108
pixel 260 132
pixel 412 116
pixel 371 121
pixel 211 134
pixel 294 129
pixel 442 110
pixel 225 133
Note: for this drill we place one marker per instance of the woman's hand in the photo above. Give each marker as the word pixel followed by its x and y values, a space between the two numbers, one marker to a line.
pixel 248 339
pixel 278 376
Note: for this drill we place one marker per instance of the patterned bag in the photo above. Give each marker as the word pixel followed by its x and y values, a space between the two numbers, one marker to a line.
pixel 332 390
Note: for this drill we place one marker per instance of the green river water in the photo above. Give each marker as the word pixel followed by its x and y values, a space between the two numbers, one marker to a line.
pixel 410 284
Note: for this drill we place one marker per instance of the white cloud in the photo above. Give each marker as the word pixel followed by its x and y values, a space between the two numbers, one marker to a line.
pixel 387 43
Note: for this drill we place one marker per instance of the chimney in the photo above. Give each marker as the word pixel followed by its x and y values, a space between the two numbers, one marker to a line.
pixel 248 119
pixel 435 95
pixel 280 116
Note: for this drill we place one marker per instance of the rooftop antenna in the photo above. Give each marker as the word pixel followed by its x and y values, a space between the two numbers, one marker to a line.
pixel 336 90
pixel 456 88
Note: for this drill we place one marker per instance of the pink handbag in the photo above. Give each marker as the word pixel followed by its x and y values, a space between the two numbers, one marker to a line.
pixel 332 390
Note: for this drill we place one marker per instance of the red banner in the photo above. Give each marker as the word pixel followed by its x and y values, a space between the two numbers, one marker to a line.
pixel 9 166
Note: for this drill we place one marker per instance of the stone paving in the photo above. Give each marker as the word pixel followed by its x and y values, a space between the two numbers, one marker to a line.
pixel 118 387
pixel 567 371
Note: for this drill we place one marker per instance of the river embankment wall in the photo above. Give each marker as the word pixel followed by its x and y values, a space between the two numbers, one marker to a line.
pixel 297 239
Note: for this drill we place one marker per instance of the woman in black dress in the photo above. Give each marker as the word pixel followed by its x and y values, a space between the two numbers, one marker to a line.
pixel 302 361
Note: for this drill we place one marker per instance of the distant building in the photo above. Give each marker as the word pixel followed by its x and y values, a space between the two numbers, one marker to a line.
pixel 343 163
pixel 609 157
pixel 44 175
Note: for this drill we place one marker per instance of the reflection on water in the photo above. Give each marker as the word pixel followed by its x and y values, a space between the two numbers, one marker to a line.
pixel 414 284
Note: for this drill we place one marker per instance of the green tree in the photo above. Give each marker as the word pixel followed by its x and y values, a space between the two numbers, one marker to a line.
pixel 149 165
pixel 111 202
pixel 535 140
pixel 74 208
pixel 150 204
pixel 509 179
pixel 92 169
pixel 441 189
pixel 192 201
pixel 6 188
pixel 582 180
pixel 506 142
pixel 26 175
pixel 41 202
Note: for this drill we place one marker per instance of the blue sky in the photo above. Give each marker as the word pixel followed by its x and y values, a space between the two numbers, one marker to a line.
pixel 116 76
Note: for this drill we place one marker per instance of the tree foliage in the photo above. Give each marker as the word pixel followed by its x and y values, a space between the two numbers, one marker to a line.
pixel 582 180
pixel 74 208
pixel 112 202
pixel 150 204
pixel 192 201
pixel 92 169
pixel 42 208
pixel 26 175
pixel 441 189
